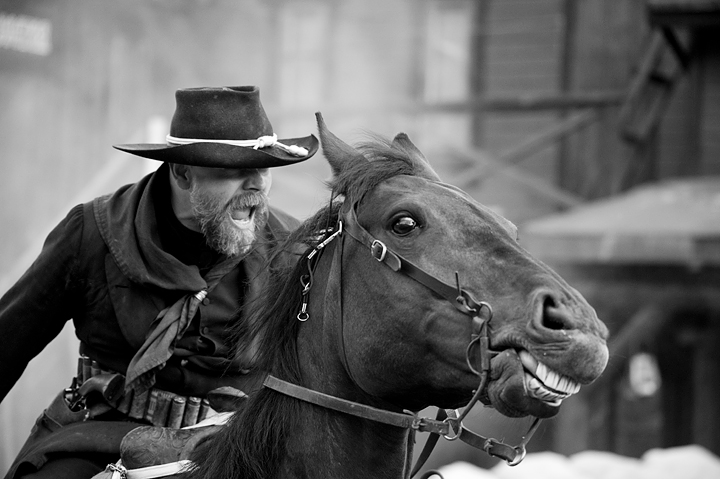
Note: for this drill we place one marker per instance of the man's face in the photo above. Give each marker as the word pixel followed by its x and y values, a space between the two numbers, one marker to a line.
pixel 231 205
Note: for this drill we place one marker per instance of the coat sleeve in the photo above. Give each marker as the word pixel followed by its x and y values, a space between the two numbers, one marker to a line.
pixel 35 309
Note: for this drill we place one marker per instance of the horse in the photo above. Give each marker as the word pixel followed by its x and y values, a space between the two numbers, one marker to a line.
pixel 408 294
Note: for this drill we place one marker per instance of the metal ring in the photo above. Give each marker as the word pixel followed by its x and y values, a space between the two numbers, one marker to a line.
pixel 468 352
pixel 520 453
pixel 487 305
pixel 449 420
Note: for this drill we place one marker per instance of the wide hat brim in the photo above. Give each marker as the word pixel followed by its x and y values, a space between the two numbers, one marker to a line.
pixel 222 155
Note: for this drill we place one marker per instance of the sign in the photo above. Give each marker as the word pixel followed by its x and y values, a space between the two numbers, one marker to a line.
pixel 25 34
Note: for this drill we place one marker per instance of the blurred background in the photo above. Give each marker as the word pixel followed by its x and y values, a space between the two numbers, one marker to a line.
pixel 593 125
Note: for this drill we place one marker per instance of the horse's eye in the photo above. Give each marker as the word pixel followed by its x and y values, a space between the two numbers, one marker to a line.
pixel 404 225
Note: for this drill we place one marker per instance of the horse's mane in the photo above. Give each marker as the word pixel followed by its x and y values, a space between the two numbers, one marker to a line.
pixel 253 442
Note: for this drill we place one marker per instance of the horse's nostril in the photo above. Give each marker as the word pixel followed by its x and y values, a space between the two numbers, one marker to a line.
pixel 553 317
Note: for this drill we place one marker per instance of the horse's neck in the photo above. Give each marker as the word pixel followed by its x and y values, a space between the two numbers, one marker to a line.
pixel 332 444
pixel 327 443
pixel 335 445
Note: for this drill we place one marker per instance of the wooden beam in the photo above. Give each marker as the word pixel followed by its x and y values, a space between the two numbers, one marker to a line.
pixel 490 104
pixel 503 164
pixel 484 165
pixel 532 102
pixel 543 139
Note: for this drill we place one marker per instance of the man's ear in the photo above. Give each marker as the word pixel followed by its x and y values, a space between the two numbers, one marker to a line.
pixel 181 174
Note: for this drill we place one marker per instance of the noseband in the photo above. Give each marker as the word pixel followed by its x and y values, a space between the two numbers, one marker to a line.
pixel 448 423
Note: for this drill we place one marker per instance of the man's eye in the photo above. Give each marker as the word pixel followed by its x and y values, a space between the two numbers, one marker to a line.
pixel 404 225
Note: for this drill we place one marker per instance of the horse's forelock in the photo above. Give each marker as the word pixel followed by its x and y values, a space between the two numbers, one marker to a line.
pixel 386 160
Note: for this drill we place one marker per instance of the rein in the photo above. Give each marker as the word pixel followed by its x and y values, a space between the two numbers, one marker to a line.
pixel 448 423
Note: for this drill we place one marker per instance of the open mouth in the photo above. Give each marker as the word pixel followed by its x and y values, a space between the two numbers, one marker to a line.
pixel 543 383
pixel 243 217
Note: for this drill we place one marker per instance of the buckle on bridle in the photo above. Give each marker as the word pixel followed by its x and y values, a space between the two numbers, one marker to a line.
pixel 378 250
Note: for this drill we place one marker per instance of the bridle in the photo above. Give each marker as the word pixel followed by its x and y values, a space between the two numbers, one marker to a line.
pixel 448 423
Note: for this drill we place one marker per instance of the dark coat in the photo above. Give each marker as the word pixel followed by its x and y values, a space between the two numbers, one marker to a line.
pixel 103 267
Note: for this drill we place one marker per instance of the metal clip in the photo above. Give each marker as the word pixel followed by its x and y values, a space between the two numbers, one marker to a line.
pixel 303 315
pixel 327 240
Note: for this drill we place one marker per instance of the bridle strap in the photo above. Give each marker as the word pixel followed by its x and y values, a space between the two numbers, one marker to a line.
pixel 457 296
pixel 406 420
pixel 513 455
pixel 464 302
pixel 440 426
pixel 448 423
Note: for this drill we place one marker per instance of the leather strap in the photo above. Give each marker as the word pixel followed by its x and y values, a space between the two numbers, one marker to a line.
pixel 118 471
pixel 479 312
pixel 458 297
pixel 405 420
pixel 429 445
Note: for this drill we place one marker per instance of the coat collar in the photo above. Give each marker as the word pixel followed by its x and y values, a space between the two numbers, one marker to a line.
pixel 128 225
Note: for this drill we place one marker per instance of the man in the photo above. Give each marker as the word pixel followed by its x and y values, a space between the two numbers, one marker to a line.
pixel 150 276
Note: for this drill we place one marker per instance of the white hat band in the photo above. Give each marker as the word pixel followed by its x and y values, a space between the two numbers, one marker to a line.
pixel 262 142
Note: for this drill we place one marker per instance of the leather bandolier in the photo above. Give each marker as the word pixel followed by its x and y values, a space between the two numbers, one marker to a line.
pixel 98 391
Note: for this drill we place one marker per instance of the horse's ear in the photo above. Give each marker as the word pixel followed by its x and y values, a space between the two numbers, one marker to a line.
pixel 402 141
pixel 337 152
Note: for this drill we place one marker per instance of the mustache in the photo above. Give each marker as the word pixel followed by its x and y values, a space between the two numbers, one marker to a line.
pixel 246 200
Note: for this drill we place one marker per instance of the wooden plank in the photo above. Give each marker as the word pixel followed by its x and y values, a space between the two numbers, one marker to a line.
pixel 549 136
pixel 650 92
pixel 485 165
pixel 531 102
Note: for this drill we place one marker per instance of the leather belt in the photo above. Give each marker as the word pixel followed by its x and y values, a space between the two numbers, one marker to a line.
pixel 155 406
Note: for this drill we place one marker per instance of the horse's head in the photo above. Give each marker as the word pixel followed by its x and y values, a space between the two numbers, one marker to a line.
pixel 411 294
pixel 408 343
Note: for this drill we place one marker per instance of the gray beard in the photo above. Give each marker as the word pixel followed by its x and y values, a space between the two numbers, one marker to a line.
pixel 217 225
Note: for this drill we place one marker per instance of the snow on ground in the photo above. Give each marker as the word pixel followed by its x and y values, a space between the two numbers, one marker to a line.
pixel 686 462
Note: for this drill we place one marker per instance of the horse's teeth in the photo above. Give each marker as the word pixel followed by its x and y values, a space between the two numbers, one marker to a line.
pixel 556 380
pixel 543 383
pixel 536 389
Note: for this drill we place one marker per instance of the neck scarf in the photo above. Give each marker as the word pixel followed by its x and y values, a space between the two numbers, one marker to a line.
pixel 169 326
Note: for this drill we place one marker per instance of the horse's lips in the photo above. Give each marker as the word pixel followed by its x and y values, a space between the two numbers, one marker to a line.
pixel 543 383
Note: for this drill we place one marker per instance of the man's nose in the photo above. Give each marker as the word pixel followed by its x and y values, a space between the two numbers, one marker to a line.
pixel 253 180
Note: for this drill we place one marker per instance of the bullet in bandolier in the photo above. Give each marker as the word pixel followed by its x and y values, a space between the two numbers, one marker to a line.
pixel 176 412
pixel 204 410
pixel 94 368
pixel 80 377
pixel 87 368
pixel 151 405
pixel 162 408
pixel 192 409
pixel 126 402
pixel 138 406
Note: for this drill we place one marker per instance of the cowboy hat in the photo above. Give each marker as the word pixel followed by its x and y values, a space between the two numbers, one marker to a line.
pixel 224 127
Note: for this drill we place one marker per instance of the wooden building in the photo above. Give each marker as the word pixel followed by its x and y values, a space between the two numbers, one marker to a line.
pixel 648 259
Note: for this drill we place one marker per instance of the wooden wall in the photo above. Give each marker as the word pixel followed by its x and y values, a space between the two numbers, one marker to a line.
pixel 687 141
